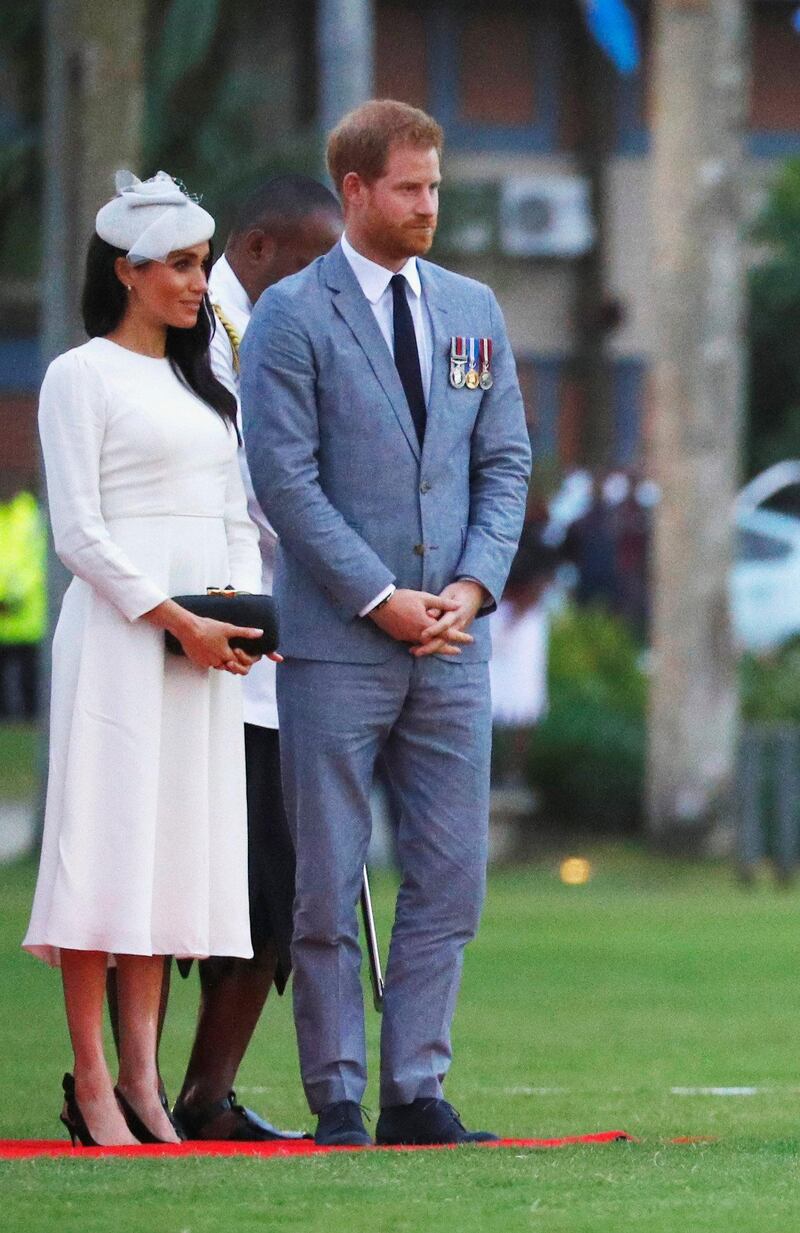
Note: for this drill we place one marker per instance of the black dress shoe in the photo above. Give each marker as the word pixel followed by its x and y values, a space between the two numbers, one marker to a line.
pixel 247 1127
pixel 426 1121
pixel 341 1125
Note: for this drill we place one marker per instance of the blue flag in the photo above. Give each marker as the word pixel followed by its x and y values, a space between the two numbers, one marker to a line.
pixel 612 24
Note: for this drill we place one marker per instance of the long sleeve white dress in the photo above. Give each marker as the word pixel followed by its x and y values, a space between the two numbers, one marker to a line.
pixel 145 840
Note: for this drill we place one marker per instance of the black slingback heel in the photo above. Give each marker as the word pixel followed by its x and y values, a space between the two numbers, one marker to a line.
pixel 135 1124
pixel 72 1117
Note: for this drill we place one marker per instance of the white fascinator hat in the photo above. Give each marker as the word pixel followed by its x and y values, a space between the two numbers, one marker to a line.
pixel 149 219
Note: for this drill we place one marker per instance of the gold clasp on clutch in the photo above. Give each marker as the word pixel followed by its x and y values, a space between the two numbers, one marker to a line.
pixel 227 592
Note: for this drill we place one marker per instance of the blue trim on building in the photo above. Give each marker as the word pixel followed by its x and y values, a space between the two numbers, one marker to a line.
pixel 540 136
pixel 634 140
pixel 543 135
pixel 547 390
pixel 629 385
pixel 628 375
pixel 773 144
pixel 632 136
pixel 20 365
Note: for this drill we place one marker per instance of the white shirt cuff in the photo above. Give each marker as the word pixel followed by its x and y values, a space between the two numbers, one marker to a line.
pixel 385 593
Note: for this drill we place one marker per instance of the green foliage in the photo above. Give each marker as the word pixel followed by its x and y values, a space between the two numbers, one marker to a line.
pixel 21 63
pixel 770 685
pixel 205 112
pixel 189 27
pixel 207 120
pixel 587 756
pixel 774 403
pixel 181 46
pixel 468 219
pixel 20 20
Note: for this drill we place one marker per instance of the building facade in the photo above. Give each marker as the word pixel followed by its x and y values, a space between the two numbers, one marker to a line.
pixel 547 183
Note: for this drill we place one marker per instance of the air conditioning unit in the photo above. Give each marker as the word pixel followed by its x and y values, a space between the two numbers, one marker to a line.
pixel 546 216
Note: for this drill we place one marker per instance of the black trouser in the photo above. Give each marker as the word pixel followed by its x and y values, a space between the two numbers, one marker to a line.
pixel 270 849
pixel 19 678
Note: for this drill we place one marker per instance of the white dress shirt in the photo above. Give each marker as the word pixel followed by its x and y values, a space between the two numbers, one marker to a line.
pixel 258 687
pixel 374 280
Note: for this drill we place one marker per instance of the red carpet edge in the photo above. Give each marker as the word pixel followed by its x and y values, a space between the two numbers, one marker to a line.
pixel 26 1149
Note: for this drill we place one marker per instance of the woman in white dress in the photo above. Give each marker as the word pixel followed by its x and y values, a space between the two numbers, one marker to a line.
pixel 145 844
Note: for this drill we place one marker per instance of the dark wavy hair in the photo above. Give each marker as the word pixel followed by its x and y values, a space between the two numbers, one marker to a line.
pixel 103 305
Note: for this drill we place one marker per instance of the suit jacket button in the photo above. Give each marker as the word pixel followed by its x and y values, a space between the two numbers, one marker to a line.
pixel 419 549
pixel 425 486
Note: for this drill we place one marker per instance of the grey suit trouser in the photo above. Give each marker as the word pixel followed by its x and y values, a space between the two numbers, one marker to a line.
pixel 431 720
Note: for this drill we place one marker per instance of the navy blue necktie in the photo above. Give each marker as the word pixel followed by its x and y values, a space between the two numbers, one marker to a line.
pixel 406 355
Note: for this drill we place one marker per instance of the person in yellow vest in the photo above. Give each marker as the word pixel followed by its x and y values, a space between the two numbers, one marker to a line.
pixel 23 599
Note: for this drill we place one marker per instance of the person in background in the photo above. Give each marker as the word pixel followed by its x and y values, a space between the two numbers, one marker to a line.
pixel 518 667
pixel 591 544
pixel 23 598
pixel 284 225
pixel 634 532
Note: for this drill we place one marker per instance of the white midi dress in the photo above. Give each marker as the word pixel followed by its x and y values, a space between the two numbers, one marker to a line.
pixel 145 839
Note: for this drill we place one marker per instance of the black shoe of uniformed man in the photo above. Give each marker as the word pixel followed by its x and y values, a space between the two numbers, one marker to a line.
pixel 426 1121
pixel 341 1125
pixel 230 1122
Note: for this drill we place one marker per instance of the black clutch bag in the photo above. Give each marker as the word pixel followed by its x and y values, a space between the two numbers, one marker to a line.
pixel 237 608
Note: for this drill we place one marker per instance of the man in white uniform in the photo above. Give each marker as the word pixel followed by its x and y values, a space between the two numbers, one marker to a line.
pixel 281 228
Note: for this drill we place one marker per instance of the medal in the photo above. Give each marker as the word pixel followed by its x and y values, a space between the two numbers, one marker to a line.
pixel 486 379
pixel 473 379
pixel 458 361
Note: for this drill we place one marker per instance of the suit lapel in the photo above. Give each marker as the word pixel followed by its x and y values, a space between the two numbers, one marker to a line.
pixel 440 389
pixel 351 303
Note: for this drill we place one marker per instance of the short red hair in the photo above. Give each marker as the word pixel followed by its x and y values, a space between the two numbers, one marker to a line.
pixel 362 140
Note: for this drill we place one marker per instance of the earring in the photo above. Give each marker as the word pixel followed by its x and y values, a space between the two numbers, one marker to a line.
pixel 128 287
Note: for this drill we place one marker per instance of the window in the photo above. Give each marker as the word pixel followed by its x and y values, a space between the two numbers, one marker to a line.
pixel 775 92
pixel 498 76
pixel 776 69
pixel 401 59
pixel 496 68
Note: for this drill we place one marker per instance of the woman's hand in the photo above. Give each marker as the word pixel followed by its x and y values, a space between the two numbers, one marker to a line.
pixel 247 661
pixel 206 643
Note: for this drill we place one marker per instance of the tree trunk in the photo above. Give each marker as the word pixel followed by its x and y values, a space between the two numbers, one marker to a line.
pixel 700 95
pixel 93 122
pixel 94 99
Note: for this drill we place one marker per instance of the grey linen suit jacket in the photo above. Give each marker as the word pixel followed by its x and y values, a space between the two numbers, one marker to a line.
pixel 337 467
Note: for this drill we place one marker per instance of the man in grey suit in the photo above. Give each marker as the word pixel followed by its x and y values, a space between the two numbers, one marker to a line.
pixel 387 445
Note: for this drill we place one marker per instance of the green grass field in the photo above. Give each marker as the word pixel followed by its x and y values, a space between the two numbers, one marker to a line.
pixel 18 760
pixel 582 1008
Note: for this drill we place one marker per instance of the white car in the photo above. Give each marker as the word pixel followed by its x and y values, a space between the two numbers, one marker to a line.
pixel 765 581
